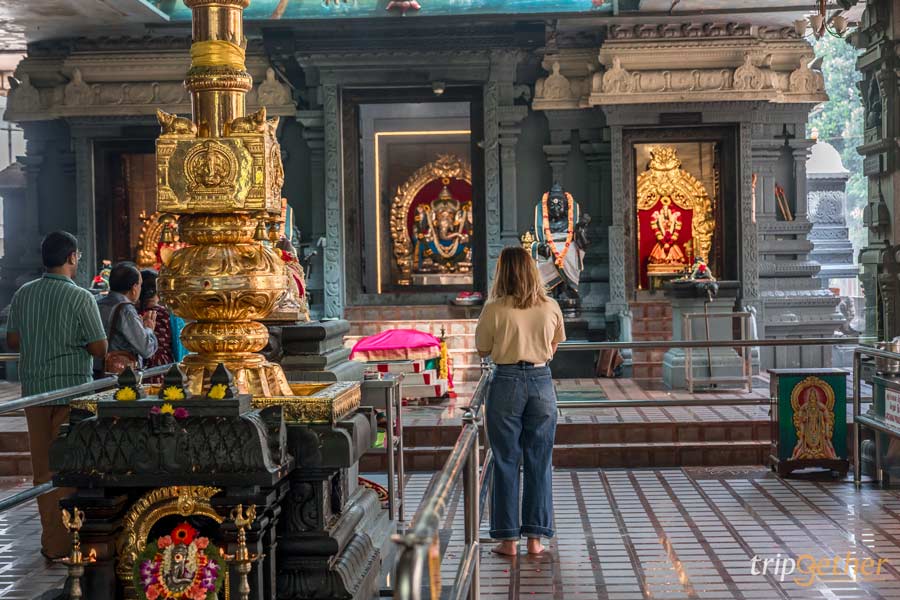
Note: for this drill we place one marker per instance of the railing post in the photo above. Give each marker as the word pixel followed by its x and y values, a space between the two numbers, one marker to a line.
pixel 857 443
pixel 471 501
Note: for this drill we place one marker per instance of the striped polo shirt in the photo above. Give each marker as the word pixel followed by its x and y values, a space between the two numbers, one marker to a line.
pixel 55 320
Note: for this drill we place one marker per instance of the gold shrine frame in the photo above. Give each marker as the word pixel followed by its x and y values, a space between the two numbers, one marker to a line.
pixel 664 177
pixel 446 166
pixel 184 500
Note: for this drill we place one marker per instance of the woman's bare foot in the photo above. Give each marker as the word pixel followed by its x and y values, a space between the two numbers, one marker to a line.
pixel 506 548
pixel 535 546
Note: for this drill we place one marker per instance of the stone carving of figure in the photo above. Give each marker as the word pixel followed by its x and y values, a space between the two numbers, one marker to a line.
pixel 560 230
pixel 666 224
pixel 273 92
pixel 181 574
pixel 77 92
pixel 814 423
pixel 442 230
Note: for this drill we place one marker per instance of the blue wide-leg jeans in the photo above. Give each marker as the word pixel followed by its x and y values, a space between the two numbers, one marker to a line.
pixel 521 426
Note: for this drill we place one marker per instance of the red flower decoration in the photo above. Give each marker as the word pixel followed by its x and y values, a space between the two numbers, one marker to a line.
pixel 702 268
pixel 183 534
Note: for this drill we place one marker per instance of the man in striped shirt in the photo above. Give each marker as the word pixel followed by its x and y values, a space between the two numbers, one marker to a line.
pixel 55 326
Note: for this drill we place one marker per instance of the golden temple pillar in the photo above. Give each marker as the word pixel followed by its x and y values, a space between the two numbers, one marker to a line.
pixel 221 172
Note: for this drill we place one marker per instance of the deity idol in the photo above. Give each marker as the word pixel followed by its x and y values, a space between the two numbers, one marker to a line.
pixel 442 231
pixel 666 225
pixel 814 422
pixel 560 243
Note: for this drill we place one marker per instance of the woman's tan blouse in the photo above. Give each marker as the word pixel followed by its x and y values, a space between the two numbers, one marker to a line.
pixel 515 334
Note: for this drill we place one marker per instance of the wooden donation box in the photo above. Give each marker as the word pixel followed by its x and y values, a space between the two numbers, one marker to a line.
pixel 809 420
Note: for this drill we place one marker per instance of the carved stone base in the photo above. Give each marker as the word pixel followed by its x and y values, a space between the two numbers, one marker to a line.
pixel 315 351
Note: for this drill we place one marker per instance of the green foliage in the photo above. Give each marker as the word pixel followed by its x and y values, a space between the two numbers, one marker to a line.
pixel 840 123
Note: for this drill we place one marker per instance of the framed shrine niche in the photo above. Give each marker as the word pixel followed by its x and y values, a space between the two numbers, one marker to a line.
pixel 421 214
pixel 684 203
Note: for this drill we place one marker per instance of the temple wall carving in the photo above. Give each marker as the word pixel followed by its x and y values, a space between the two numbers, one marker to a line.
pixel 85 84
pixel 692 63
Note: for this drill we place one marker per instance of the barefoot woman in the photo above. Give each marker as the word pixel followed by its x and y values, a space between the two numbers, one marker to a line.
pixel 520 328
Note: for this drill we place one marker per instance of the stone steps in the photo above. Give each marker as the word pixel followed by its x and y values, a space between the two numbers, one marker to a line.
pixel 609 445
pixel 652 320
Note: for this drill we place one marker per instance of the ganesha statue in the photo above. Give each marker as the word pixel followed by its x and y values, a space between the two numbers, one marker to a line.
pixel 432 225
pixel 443 229
pixel 182 565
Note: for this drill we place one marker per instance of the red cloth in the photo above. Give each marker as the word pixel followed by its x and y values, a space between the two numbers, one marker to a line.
pixel 396 344
pixel 647 238
pixel 459 188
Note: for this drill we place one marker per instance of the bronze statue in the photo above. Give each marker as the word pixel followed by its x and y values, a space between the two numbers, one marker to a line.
pixel 560 232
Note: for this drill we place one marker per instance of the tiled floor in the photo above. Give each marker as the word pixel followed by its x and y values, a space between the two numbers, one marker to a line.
pixel 24 574
pixel 692 533
pixel 673 533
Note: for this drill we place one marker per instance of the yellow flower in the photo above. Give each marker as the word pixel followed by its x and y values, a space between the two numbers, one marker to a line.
pixel 173 393
pixel 126 393
pixel 166 409
pixel 217 392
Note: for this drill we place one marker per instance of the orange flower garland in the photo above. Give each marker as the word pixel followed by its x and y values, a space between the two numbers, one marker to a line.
pixel 570 232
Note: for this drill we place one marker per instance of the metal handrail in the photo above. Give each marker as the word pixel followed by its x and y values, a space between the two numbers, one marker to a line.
pixel 76 390
pixel 659 344
pixel 9 356
pixel 415 543
pixel 858 354
pixel 22 497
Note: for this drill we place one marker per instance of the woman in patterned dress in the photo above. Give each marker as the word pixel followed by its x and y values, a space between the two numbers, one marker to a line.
pixel 149 301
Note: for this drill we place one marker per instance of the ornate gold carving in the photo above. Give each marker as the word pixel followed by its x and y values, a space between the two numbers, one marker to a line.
pixel 812 401
pixel 325 406
pixel 152 236
pixel 665 181
pixel 446 167
pixel 174 125
pixel 219 172
pixel 144 514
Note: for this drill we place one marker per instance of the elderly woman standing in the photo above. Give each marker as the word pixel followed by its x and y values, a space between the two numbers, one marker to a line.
pixel 520 328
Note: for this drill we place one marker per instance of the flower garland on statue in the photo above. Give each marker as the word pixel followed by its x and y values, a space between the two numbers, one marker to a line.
pixel 559 257
pixel 179 566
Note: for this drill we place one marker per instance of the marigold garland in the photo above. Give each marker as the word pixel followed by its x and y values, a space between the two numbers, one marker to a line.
pixel 559 257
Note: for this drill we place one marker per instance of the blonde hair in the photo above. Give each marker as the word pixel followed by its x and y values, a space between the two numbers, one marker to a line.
pixel 517 279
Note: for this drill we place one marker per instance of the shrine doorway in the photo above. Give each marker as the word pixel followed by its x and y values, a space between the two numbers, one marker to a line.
pixel 417 195
pixel 125 198
pixel 683 186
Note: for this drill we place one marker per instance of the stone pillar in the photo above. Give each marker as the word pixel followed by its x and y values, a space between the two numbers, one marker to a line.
pixel 313 122
pixel 511 118
pixel 334 222
pixel 492 176
pixel 879 36
pixel 595 277
pixel 85 208
pixel 557 152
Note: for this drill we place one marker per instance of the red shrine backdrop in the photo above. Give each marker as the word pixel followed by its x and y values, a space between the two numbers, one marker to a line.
pixel 647 238
pixel 459 189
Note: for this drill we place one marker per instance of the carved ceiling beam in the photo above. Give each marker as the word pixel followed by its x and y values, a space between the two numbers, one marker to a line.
pixel 134 84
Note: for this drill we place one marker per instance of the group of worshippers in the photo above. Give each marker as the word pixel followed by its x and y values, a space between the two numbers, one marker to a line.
pixel 66 336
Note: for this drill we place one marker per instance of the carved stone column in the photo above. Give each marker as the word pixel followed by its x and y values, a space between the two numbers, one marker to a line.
pixel 510 120
pixel 85 208
pixel 557 152
pixel 313 122
pixel 334 222
pixel 492 176
pixel 879 37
